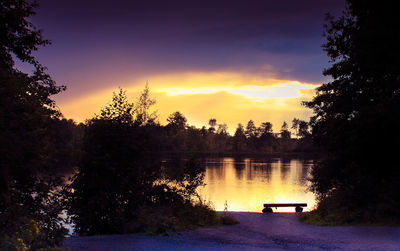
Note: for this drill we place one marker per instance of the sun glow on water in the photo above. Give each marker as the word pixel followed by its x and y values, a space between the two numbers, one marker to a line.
pixel 246 184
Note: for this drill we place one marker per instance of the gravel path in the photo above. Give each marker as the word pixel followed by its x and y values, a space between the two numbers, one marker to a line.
pixel 256 231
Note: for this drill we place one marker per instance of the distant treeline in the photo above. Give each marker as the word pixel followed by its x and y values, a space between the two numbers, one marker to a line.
pixel 179 137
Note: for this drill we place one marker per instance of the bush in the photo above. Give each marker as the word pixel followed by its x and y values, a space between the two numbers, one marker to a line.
pixel 333 211
pixel 29 239
pixel 174 218
pixel 227 219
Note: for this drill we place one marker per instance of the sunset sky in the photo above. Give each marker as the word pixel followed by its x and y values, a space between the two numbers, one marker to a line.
pixel 229 60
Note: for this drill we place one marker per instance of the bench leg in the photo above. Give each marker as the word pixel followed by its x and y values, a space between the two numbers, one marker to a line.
pixel 299 209
pixel 267 210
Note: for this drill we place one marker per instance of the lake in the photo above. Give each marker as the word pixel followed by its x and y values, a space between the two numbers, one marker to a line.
pixel 246 183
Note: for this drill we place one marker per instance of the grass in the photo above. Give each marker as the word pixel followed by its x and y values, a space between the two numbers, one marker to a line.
pixel 172 220
pixel 227 219
pixel 314 218
pixel 336 218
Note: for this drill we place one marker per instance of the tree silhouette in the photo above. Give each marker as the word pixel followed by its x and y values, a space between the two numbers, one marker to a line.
pixel 303 129
pixel 295 125
pixel 222 129
pixel 177 121
pixel 120 179
pixel 143 106
pixel 285 134
pixel 251 130
pixel 212 122
pixel 355 114
pixel 239 139
pixel 18 35
pixel 266 128
pixel 28 188
pixel 119 110
pixel 114 175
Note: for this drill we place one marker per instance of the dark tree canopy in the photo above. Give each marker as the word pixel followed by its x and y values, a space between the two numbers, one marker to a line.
pixel 285 133
pixel 357 113
pixel 177 121
pixel 266 128
pixel 120 180
pixel 27 112
pixel 18 36
pixel 119 110
pixel 251 130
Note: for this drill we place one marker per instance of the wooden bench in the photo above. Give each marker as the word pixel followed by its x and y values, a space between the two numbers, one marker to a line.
pixel 298 206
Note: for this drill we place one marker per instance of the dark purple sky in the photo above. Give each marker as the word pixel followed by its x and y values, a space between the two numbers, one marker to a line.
pixel 215 54
pixel 139 38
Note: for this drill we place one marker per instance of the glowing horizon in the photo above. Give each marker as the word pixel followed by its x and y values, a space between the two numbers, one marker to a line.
pixel 229 97
pixel 233 62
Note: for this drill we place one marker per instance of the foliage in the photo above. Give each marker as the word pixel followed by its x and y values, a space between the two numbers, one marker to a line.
pixel 110 178
pixel 356 114
pixel 226 218
pixel 239 139
pixel 212 122
pixel 285 133
pixel 251 130
pixel 143 106
pixel 177 136
pixel 175 218
pixel 120 176
pixel 176 121
pixel 28 188
pixel 18 35
pixel 119 110
pixel 301 128
pixel 28 239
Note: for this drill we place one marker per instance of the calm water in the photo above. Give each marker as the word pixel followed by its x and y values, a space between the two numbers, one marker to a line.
pixel 247 183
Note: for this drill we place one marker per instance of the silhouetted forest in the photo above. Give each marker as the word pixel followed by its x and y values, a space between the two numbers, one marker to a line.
pixel 118 184
pixel 179 137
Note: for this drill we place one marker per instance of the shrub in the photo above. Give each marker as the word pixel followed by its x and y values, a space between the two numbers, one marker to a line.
pixel 29 239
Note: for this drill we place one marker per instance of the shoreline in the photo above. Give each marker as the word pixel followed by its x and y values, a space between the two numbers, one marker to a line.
pixel 256 231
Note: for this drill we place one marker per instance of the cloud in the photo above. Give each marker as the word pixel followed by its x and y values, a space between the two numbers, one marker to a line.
pixel 230 97
pixel 256 93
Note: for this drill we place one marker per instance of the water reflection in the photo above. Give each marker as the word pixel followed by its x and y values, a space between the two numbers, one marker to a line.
pixel 247 183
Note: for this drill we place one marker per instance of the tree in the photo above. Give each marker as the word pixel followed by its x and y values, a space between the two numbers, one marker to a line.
pixel 212 122
pixel 251 130
pixel 222 138
pixel 143 106
pixel 295 125
pixel 29 190
pixel 285 134
pixel 356 113
pixel 114 175
pixel 177 121
pixel 267 140
pixel 120 181
pixel 300 127
pixel 18 35
pixel 303 129
pixel 266 128
pixel 222 129
pixel 119 110
pixel 239 139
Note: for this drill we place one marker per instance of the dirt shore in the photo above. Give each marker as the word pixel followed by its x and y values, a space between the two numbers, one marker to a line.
pixel 256 231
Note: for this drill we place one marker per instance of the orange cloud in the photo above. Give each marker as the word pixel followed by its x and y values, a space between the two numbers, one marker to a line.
pixel 230 97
